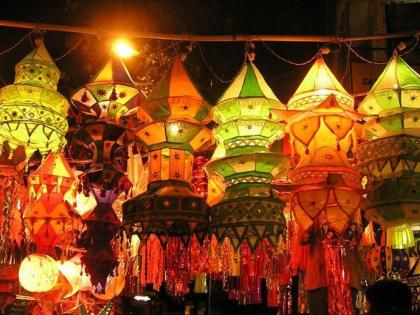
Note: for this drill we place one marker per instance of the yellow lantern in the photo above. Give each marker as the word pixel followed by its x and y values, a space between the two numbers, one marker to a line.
pixel 32 112
pixel 38 273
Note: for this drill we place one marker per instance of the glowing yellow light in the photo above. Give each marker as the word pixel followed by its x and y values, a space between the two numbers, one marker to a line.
pixel 38 273
pixel 174 128
pixel 124 49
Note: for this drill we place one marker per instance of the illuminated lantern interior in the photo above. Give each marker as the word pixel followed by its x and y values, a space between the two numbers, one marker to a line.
pixel 38 273
pixel 32 112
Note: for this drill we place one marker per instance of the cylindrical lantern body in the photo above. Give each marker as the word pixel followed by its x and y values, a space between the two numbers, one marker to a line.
pixel 389 157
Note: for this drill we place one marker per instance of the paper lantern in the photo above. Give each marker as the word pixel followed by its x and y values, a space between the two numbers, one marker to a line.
pixel 53 177
pixel 48 225
pixel 32 112
pixel 246 216
pixel 318 84
pixel 249 211
pixel 72 269
pixel 382 261
pixel 322 132
pixel 38 273
pixel 100 149
pixel 175 114
pixel 326 189
pixel 110 94
pixel 389 158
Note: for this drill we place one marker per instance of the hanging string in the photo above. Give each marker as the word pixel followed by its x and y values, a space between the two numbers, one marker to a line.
pixel 412 47
pixel 71 49
pixel 20 41
pixel 289 61
pixel 347 65
pixel 363 58
pixel 218 78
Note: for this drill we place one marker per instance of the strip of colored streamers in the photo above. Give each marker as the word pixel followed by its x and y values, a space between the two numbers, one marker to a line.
pixel 338 278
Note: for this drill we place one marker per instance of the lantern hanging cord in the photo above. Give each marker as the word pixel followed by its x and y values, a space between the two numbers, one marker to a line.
pixel 218 78
pixel 298 64
pixel 20 41
pixel 363 58
pixel 71 49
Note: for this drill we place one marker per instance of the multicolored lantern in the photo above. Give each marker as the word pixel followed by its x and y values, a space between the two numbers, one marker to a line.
pixel 110 95
pixel 383 260
pixel 32 112
pixel 326 188
pixel 38 273
pixel 248 221
pixel 390 157
pixel 175 115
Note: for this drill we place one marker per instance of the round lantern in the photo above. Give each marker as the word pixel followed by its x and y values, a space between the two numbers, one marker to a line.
pixel 38 273
pixel 32 112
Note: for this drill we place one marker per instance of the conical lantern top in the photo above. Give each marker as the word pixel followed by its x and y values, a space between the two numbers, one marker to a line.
pixel 175 98
pixel 248 95
pixel 114 71
pixel 55 174
pixel 396 89
pixel 110 95
pixel 38 68
pixel 317 85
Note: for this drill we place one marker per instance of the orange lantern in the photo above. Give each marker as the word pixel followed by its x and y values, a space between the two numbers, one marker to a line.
pixel 53 176
pixel 323 133
pixel 49 224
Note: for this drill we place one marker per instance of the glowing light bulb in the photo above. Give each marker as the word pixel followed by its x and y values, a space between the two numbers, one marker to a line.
pixel 174 128
pixel 124 49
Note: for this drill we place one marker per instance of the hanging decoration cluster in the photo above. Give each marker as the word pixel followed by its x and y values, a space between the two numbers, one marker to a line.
pixel 129 199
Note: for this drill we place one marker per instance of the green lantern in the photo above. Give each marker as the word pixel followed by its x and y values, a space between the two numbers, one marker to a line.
pixel 390 158
pixel 32 112
pixel 110 95
pixel 175 115
pixel 249 210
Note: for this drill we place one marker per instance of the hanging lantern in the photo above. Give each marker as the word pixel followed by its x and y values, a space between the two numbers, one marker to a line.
pixel 102 225
pixel 326 189
pixel 175 115
pixel 383 260
pixel 32 112
pixel 54 178
pixel 49 224
pixel 389 158
pixel 72 270
pixel 101 150
pixel 38 273
pixel 248 220
pixel 110 95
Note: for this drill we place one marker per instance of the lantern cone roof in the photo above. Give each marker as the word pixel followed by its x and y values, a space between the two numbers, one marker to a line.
pixel 396 89
pixel 317 85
